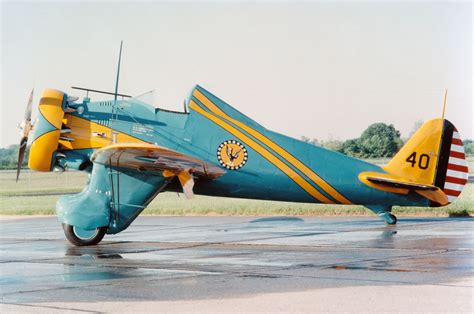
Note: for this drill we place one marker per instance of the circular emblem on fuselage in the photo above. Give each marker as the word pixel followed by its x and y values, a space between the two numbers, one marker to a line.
pixel 232 155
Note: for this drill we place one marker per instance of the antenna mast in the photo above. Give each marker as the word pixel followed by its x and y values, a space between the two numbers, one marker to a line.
pixel 118 73
pixel 444 102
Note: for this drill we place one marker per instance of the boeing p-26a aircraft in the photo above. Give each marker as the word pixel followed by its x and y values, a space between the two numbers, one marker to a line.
pixel 133 151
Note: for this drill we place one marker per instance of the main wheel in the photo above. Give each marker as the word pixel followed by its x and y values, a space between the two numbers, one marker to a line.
pixel 81 237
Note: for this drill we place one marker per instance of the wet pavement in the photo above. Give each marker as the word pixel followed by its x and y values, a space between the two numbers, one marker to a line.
pixel 187 259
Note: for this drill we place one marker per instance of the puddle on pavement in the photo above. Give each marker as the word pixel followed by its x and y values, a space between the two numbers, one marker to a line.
pixel 277 220
pixel 344 267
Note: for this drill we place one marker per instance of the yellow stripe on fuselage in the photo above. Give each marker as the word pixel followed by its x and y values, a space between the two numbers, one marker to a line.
pixel 275 147
pixel 265 153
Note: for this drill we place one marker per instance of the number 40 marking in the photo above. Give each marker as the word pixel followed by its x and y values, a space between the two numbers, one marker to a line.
pixel 423 160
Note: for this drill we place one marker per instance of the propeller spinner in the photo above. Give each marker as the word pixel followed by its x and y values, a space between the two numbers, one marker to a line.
pixel 26 127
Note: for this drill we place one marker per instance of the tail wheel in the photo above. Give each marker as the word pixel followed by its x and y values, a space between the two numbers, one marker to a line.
pixel 392 219
pixel 388 218
pixel 81 237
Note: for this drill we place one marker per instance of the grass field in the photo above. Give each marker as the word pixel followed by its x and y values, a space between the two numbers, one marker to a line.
pixel 36 194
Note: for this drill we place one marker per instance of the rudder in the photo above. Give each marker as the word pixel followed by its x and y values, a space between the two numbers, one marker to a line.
pixel 452 171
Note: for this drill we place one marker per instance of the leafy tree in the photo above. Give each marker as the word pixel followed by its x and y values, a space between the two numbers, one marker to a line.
pixel 305 139
pixel 334 145
pixel 9 157
pixel 310 141
pixel 351 148
pixel 379 140
pixel 468 147
pixel 330 144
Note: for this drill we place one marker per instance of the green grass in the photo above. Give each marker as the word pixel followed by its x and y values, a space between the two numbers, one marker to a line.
pixel 459 213
pixel 36 194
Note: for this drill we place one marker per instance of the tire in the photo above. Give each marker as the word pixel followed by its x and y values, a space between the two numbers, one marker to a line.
pixel 392 219
pixel 81 237
pixel 388 218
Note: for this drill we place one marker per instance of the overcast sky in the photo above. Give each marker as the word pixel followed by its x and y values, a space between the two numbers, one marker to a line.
pixel 318 69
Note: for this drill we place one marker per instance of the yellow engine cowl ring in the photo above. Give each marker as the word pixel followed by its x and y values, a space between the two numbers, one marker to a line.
pixel 47 130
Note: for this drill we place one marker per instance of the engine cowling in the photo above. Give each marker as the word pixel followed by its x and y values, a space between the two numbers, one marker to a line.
pixel 47 130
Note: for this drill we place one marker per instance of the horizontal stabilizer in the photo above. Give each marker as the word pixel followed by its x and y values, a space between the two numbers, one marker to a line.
pixel 395 184
pixel 437 196
pixel 400 184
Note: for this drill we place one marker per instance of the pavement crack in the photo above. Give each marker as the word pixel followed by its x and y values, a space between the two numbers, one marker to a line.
pixel 52 307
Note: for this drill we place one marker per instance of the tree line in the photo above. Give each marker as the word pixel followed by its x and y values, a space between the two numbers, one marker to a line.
pixel 9 157
pixel 377 141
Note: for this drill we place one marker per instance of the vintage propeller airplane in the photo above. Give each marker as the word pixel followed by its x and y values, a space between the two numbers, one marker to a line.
pixel 133 151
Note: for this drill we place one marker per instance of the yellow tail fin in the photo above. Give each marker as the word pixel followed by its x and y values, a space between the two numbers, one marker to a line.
pixel 433 156
pixel 417 160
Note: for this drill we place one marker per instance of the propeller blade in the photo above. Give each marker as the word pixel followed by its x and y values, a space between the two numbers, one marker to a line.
pixel 26 126
pixel 21 155
pixel 29 106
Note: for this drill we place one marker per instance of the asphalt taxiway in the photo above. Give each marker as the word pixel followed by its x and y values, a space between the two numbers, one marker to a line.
pixel 213 264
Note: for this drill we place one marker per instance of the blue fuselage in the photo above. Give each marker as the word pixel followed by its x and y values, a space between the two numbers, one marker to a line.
pixel 268 173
